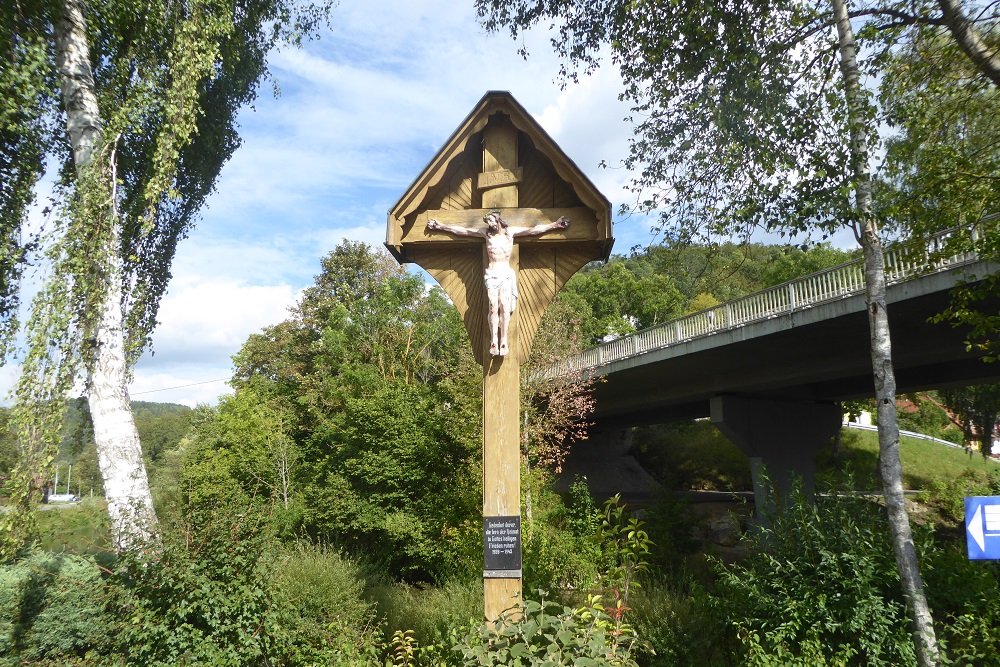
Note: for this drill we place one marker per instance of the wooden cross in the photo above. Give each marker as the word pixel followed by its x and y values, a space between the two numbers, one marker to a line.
pixel 542 264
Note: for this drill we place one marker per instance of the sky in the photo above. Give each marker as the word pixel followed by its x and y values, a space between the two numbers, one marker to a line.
pixel 361 112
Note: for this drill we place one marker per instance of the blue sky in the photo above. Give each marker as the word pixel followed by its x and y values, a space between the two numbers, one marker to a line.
pixel 361 112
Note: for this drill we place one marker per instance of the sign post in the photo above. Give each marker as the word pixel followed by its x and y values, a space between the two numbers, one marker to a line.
pixel 501 218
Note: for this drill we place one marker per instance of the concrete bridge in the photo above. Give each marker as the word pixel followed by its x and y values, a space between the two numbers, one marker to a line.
pixel 770 368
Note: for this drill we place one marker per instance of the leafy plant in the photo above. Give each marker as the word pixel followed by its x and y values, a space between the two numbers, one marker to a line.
pixel 52 607
pixel 626 547
pixel 404 649
pixel 202 598
pixel 546 633
pixel 819 588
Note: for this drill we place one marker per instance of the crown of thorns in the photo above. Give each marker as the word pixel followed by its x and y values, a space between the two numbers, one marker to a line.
pixel 499 218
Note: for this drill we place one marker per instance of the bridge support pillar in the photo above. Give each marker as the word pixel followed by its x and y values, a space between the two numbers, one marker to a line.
pixel 781 436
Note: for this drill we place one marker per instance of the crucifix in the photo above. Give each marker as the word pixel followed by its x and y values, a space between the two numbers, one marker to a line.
pixel 501 218
pixel 499 277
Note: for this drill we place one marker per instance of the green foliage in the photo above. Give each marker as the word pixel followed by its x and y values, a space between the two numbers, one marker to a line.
pixel 924 463
pixel 435 614
pixel 942 161
pixel 734 106
pixel 203 600
pixel 545 633
pixel 963 594
pixel 928 418
pixel 82 529
pixel 323 615
pixel 133 178
pixel 692 455
pixel 669 523
pixel 679 625
pixel 621 301
pixel 396 481
pixel 945 495
pixel 561 549
pixel 28 102
pixel 367 393
pixel 404 649
pixel 977 408
pixel 53 607
pixel 625 548
pixel 819 588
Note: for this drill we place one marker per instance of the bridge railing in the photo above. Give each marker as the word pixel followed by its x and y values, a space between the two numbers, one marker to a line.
pixel 838 282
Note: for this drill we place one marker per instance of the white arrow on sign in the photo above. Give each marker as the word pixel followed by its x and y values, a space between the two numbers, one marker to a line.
pixel 975 528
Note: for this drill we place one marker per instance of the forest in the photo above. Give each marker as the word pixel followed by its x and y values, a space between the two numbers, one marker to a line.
pixel 328 510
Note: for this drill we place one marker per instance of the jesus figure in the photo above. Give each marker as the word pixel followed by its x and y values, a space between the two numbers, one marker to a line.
pixel 500 276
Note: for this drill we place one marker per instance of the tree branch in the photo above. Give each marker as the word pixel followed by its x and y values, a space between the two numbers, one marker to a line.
pixel 902 18
pixel 969 40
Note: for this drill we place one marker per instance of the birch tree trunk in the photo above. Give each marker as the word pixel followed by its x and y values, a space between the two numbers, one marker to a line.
pixel 890 468
pixel 119 454
pixel 982 56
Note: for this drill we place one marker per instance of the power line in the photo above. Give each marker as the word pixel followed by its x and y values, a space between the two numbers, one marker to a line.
pixel 180 386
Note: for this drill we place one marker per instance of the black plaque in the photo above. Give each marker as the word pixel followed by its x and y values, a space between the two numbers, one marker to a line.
pixel 502 546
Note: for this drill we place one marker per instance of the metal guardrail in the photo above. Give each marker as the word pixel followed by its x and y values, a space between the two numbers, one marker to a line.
pixel 908 434
pixel 918 436
pixel 838 282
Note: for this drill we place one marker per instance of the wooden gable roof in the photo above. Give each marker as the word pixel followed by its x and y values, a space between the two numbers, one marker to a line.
pixel 452 179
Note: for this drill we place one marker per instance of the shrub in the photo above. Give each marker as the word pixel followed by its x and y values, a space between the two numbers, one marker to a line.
pixel 551 634
pixel 52 607
pixel 820 588
pixel 432 613
pixel 561 548
pixel 317 595
pixel 963 595
pixel 202 598
pixel 678 625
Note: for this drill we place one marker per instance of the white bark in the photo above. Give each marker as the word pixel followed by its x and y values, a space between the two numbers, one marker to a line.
pixel 119 454
pixel 890 467
pixel 962 29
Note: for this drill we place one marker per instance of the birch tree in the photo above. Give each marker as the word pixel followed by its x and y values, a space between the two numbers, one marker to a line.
pixel 755 116
pixel 943 167
pixel 137 103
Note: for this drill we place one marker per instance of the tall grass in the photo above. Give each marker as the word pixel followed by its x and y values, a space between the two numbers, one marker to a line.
pixel 925 463
pixel 430 612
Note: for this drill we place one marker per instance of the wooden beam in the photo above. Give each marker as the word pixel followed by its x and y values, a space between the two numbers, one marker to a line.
pixel 583 224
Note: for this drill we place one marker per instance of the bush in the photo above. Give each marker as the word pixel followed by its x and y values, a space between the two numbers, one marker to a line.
pixel 323 616
pixel 963 595
pixel 550 634
pixel 820 588
pixel 678 624
pixel 52 607
pixel 202 598
pixel 561 547
pixel 433 614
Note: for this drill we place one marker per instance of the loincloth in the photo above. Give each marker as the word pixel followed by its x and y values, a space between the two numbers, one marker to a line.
pixel 504 280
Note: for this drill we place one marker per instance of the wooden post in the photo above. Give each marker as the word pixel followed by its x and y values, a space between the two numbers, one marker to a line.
pixel 501 390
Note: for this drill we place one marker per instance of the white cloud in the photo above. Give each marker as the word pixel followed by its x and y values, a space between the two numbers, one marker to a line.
pixel 178 386
pixel 208 320
pixel 361 112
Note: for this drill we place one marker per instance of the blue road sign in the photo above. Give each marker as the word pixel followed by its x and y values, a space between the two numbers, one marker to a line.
pixel 982 527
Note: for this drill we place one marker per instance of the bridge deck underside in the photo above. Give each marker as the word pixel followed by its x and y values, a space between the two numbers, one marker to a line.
pixel 819 355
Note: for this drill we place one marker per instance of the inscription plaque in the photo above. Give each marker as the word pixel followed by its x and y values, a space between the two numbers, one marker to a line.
pixel 502 547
